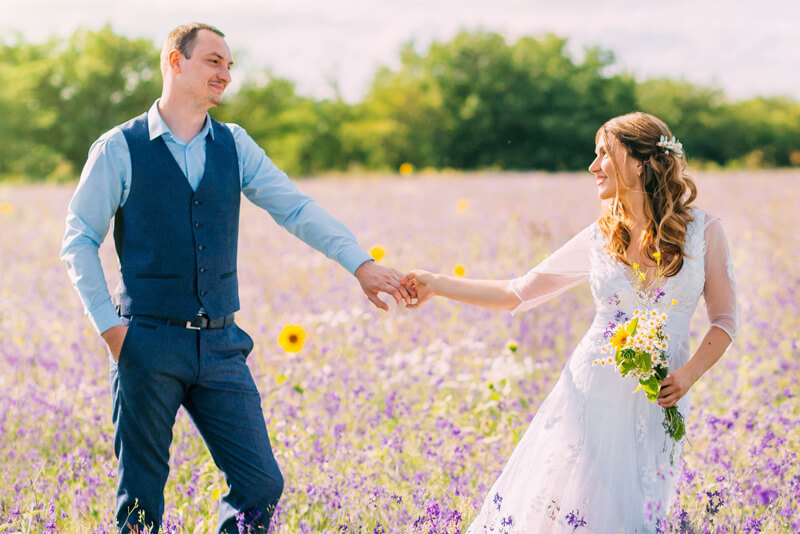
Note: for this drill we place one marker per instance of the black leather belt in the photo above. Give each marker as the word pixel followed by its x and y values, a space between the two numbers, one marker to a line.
pixel 200 322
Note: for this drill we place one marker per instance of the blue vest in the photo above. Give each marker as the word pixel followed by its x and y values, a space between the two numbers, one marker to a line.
pixel 177 247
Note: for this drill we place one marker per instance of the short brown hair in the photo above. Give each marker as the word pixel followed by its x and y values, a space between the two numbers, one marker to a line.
pixel 183 39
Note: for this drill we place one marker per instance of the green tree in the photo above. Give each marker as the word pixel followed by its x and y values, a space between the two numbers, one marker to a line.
pixel 276 118
pixel 70 91
pixel 476 101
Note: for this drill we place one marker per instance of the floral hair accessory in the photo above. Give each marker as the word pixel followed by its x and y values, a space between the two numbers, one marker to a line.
pixel 670 144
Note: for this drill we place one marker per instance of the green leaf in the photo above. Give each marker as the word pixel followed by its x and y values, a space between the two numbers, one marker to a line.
pixel 643 361
pixel 661 372
pixel 626 367
pixel 651 386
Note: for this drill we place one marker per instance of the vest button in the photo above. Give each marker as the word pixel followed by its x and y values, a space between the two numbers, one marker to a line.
pixel 200 247
pixel 203 293
pixel 197 225
pixel 202 270
pixel 196 202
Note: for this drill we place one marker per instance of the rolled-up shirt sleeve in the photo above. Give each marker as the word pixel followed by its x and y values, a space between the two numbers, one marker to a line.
pixel 268 187
pixel 719 291
pixel 566 268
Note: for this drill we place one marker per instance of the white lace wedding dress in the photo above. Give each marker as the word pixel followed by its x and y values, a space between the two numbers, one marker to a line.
pixel 594 457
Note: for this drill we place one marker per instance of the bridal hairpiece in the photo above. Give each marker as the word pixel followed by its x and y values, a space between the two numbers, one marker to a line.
pixel 670 144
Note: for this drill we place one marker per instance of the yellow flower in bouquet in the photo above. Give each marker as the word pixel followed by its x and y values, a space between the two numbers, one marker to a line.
pixel 623 334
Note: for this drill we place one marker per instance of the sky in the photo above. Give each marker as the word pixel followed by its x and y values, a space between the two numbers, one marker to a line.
pixel 743 47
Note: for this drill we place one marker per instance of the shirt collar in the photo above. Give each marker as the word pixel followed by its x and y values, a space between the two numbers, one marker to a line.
pixel 157 127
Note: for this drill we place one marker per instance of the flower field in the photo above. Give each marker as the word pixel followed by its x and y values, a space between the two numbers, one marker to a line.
pixel 399 421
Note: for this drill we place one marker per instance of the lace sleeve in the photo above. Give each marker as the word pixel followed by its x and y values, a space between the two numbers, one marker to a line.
pixel 720 287
pixel 566 268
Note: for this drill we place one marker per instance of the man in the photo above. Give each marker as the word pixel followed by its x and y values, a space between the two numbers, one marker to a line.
pixel 172 179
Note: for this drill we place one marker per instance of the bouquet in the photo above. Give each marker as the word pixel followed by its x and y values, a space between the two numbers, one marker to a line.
pixel 638 347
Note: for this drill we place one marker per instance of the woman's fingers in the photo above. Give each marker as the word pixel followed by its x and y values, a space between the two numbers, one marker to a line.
pixel 669 401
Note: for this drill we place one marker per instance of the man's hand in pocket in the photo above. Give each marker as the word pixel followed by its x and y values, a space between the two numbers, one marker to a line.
pixel 114 337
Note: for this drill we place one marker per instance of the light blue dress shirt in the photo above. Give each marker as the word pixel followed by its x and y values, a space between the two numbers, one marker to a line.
pixel 106 180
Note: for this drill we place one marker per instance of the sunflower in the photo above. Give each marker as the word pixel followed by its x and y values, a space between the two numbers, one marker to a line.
pixel 292 338
pixel 459 270
pixel 623 334
pixel 406 169
pixel 377 253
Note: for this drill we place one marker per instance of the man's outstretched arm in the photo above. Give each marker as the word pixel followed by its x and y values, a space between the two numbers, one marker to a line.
pixel 269 188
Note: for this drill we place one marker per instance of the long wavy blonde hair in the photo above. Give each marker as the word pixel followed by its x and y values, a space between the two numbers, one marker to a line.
pixel 669 192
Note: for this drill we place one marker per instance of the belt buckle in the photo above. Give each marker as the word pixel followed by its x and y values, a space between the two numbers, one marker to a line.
pixel 203 322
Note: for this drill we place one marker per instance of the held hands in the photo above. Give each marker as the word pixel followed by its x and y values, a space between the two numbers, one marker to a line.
pixel 675 386
pixel 420 282
pixel 374 278
pixel 114 337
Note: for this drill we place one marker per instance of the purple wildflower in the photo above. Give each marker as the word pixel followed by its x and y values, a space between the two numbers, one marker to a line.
pixel 575 520
pixel 497 501
pixel 609 330
pixel 752 525
pixel 248 521
pixel 659 293
pixel 714 502
pixel 763 495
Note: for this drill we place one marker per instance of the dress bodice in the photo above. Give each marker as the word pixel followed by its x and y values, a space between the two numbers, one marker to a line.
pixel 612 286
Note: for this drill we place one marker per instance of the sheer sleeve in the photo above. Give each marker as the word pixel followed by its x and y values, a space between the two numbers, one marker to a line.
pixel 566 268
pixel 720 287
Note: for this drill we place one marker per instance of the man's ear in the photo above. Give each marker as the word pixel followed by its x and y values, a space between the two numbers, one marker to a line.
pixel 174 61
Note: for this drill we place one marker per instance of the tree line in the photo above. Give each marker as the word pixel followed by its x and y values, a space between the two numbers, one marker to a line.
pixel 475 101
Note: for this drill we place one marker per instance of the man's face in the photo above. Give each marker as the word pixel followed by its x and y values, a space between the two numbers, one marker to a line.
pixel 205 75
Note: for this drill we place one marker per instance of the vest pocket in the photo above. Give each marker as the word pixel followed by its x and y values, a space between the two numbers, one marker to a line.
pixel 227 275
pixel 158 276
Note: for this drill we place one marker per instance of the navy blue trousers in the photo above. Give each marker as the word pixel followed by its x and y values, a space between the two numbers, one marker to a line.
pixel 163 367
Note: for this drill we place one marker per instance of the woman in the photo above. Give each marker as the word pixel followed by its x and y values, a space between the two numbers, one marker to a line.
pixel 595 457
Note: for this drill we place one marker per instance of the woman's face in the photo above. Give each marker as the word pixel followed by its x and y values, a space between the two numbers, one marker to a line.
pixel 606 179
